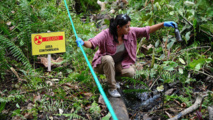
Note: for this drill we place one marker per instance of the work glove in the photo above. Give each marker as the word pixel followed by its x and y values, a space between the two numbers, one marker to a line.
pixel 79 42
pixel 170 24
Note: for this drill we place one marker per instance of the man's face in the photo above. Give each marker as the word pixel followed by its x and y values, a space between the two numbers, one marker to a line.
pixel 124 29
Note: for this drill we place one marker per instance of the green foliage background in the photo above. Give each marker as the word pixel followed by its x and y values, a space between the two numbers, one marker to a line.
pixel 171 61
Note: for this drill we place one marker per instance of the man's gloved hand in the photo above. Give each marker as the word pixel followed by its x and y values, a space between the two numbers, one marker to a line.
pixel 79 42
pixel 170 24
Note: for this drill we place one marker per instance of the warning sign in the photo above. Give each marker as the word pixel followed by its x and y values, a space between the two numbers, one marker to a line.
pixel 46 43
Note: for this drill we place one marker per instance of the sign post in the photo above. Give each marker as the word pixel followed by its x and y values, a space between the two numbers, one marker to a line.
pixel 48 43
pixel 49 62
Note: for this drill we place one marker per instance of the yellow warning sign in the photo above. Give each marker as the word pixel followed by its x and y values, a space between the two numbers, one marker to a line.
pixel 47 43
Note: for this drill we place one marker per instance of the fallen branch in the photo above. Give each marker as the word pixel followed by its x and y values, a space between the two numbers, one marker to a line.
pixel 170 116
pixel 206 51
pixel 206 32
pixel 191 108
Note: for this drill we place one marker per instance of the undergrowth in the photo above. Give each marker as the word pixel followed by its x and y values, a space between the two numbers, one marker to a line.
pixel 71 86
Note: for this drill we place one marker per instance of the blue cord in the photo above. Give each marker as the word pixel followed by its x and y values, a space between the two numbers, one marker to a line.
pixel 92 71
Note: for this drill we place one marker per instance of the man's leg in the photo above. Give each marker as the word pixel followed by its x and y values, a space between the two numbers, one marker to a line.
pixel 107 67
pixel 127 72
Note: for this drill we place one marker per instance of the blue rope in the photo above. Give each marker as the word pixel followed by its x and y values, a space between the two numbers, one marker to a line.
pixel 92 71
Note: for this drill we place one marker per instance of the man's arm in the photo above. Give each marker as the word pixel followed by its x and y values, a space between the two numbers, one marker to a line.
pixel 156 27
pixel 87 44
pixel 153 28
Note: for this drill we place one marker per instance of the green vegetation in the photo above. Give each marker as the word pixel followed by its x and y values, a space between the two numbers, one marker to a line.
pixel 28 91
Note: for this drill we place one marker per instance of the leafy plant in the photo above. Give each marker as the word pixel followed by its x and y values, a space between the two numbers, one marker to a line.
pixel 11 98
pixel 171 61
pixel 3 63
pixel 95 110
pixel 135 82
pixel 180 98
pixel 72 116
pixel 15 51
pixel 107 117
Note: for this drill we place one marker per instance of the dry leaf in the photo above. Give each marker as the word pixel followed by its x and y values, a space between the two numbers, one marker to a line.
pixel 102 5
pixel 150 46
pixel 87 95
pixel 139 66
pixel 52 94
pixel 8 23
pixel 87 107
pixel 144 46
pixel 14 71
pixel 43 92
pixel 173 110
pixel 49 83
pixel 146 117
pixel 50 117
pixel 16 118
pixel 29 106
pixel 160 88
pixel 16 74
pixel 89 117
pixel 112 11
pixel 101 100
pixel 75 87
pixel 44 61
pixel 5 111
pixel 36 98
pixel 183 105
pixel 28 115
pixel 72 110
pixel 55 80
pixel 58 60
pixel 60 111
pixel 169 92
pixel 11 28
pixel 66 89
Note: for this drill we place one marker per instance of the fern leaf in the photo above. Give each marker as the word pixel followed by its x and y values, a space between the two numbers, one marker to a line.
pixel 15 51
